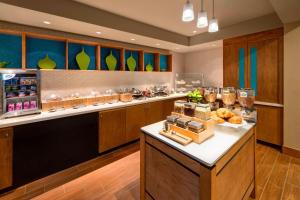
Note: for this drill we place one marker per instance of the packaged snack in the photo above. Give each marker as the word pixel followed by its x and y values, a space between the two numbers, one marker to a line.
pixel 19 106
pixel 26 105
pixel 10 107
pixel 22 94
pixel 32 104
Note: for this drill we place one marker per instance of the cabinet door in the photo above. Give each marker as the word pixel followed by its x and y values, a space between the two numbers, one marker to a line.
pixel 112 129
pixel 135 120
pixel 6 145
pixel 154 112
pixel 265 69
pixel 235 63
pixel 168 108
pixel 270 124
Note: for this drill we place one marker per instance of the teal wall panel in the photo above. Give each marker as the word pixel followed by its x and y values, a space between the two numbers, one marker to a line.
pixel 11 50
pixel 163 62
pixel 253 69
pixel 241 67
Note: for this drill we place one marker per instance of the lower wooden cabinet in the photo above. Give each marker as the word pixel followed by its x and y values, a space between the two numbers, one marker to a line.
pixel 270 124
pixel 112 129
pixel 120 126
pixel 135 119
pixel 6 156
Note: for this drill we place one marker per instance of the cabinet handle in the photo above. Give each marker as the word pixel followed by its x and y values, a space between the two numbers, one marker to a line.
pixel 6 134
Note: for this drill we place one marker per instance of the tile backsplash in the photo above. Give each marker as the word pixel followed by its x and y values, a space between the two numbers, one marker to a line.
pixel 64 83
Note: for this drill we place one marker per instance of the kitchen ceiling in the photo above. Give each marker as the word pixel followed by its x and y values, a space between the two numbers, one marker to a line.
pixel 166 14
pixel 154 23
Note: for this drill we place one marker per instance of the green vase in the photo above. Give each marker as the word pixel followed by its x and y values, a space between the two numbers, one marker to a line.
pixel 149 67
pixel 4 64
pixel 131 63
pixel 83 60
pixel 111 61
pixel 46 63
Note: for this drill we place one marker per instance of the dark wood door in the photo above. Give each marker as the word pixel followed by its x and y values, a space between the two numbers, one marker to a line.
pixel 6 146
pixel 112 129
pixel 168 107
pixel 270 124
pixel 154 112
pixel 266 57
pixel 135 120
pixel 234 59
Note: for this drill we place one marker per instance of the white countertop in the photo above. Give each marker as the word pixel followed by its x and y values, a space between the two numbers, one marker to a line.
pixel 71 112
pixel 208 152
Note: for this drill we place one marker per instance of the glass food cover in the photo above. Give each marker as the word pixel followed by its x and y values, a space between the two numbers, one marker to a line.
pixel 20 93
pixel 188 82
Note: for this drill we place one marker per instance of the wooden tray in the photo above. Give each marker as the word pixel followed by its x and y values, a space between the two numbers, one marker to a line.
pixel 181 139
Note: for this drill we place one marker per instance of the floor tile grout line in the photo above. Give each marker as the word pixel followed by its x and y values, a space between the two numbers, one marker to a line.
pixel 269 176
pixel 285 180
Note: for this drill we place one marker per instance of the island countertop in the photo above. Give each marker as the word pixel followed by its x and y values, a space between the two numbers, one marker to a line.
pixel 84 110
pixel 208 152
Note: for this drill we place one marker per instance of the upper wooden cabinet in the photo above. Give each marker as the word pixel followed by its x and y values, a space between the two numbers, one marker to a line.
pixel 6 154
pixel 256 61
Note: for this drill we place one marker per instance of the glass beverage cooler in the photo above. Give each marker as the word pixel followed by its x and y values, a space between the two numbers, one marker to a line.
pixel 20 93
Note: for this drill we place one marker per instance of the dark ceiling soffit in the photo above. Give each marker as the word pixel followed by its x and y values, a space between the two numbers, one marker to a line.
pixel 77 11
pixel 259 24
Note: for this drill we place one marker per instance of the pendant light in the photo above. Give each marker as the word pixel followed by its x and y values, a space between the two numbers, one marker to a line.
pixel 188 12
pixel 213 23
pixel 202 17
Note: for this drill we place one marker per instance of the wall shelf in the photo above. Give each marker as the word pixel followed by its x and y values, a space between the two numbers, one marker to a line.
pixel 117 53
pixel 138 57
pixel 76 48
pixel 23 50
pixel 11 51
pixel 38 48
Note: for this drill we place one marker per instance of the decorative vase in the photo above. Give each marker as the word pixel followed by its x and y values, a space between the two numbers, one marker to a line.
pixel 46 63
pixel 111 61
pixel 131 63
pixel 83 60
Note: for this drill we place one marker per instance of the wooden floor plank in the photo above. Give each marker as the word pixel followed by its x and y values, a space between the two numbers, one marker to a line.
pixel 116 177
pixel 291 192
pixel 294 172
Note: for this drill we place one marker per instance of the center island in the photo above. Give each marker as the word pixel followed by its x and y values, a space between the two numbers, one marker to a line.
pixel 220 168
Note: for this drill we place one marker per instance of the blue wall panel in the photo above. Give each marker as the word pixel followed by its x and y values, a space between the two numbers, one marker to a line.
pixel 242 68
pixel 36 49
pixel 135 55
pixel 74 49
pixel 148 58
pixel 105 51
pixel 11 50
pixel 163 62
pixel 253 69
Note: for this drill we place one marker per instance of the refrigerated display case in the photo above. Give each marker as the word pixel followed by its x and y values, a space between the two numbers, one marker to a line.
pixel 20 93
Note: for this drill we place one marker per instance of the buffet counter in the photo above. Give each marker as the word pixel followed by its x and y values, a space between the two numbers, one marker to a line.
pixel 223 166
pixel 84 110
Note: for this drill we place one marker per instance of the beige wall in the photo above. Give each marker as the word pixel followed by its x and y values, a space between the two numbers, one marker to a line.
pixel 209 62
pixel 292 86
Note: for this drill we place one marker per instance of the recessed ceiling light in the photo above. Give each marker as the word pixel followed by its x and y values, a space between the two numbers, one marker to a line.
pixel 98 32
pixel 213 45
pixel 132 39
pixel 46 22
pixel 194 31
pixel 177 48
pixel 157 44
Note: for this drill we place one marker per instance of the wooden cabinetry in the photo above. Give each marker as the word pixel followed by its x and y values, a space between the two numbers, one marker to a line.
pixel 112 129
pixel 135 119
pixel 154 112
pixel 256 61
pixel 269 124
pixel 6 154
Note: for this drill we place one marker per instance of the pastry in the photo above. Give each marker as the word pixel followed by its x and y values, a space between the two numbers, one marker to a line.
pixel 217 119
pixel 235 120
pixel 224 113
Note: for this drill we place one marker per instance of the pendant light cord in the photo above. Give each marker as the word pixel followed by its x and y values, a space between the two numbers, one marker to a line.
pixel 213 9
pixel 202 5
